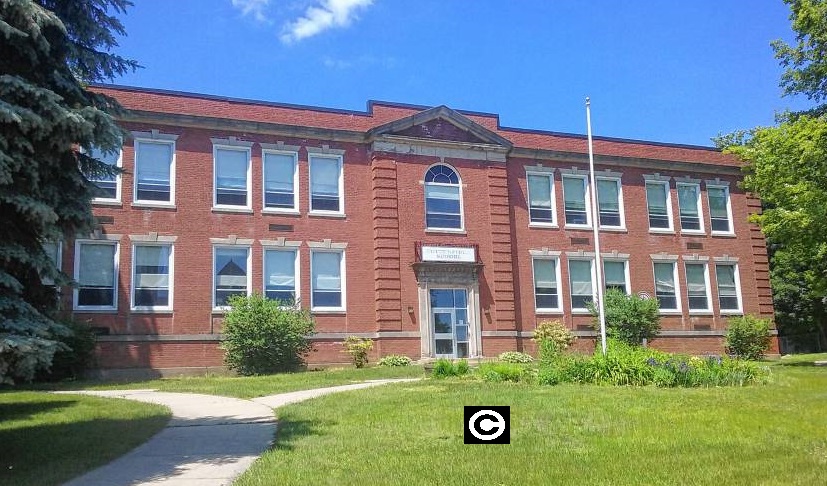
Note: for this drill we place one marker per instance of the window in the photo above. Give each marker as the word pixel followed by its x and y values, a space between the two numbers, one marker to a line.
pixel 614 273
pixel 154 169
pixel 541 199
pixel 697 287
pixel 443 198
pixel 109 187
pixel 326 195
pixel 546 275
pixel 232 181
pixel 609 202
pixel 665 286
pixel 574 199
pixel 96 271
pixel 689 203
pixel 281 275
pixel 659 205
pixel 54 251
pixel 580 282
pixel 326 280
pixel 719 209
pixel 280 181
pixel 151 281
pixel 729 295
pixel 231 274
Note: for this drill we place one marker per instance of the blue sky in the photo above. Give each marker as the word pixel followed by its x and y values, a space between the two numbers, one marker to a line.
pixel 668 71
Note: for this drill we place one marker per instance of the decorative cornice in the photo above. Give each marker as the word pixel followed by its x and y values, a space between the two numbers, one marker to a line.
pixel 656 177
pixel 686 180
pixel 439 148
pixel 153 237
pixel 231 142
pixel 614 255
pixel 725 259
pixel 580 254
pixel 281 242
pixel 326 244
pixel 325 150
pixel 155 135
pixel 539 169
pixel 717 182
pixel 695 258
pixel 663 257
pixel 280 147
pixel 608 174
pixel 232 240
pixel 544 252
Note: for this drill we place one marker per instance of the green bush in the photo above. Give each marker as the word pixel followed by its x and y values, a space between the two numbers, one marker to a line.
pixel 748 337
pixel 630 318
pixel 263 336
pixel 358 350
pixel 515 357
pixel 444 368
pixel 556 333
pixel 74 356
pixel 499 372
pixel 395 360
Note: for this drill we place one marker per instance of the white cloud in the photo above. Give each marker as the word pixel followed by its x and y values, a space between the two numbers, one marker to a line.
pixel 324 15
pixel 255 8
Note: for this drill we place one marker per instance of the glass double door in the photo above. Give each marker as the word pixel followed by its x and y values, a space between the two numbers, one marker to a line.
pixel 449 318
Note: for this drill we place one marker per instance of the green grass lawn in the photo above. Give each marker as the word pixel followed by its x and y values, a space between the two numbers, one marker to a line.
pixel 570 434
pixel 48 439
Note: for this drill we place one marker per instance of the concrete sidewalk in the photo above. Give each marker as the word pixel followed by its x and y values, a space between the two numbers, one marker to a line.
pixel 210 440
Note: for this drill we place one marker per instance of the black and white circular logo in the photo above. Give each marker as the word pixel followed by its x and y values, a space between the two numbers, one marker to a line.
pixel 487 425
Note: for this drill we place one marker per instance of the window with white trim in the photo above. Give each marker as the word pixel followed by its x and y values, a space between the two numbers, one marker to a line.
pixel 109 186
pixel 281 275
pixel 96 272
pixel 697 287
pixel 152 277
pixel 729 291
pixel 666 288
pixel 326 191
pixel 720 212
pixel 546 287
pixel 659 205
pixel 541 199
pixel 443 198
pixel 231 273
pixel 154 171
pixel 610 202
pixel 232 177
pixel 281 181
pixel 689 205
pixel 575 200
pixel 581 283
pixel 615 275
pixel 327 277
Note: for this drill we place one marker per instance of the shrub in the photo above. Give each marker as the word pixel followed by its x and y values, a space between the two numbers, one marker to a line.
pixel 499 372
pixel 263 336
pixel 556 333
pixel 748 337
pixel 395 360
pixel 629 318
pixel 74 356
pixel 515 357
pixel 444 368
pixel 358 350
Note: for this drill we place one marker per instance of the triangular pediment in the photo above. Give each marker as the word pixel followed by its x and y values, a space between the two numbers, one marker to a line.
pixel 443 124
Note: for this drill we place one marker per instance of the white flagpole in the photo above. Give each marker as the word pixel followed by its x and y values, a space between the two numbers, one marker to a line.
pixel 598 266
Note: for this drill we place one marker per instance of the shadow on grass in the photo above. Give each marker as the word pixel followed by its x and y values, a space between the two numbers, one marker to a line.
pixel 799 363
pixel 288 431
pixel 24 410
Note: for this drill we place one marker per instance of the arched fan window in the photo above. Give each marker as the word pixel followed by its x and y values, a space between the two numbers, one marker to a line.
pixel 443 198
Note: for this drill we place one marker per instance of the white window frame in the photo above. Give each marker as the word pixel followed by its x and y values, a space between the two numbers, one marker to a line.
pixel 215 248
pixel 698 205
pixel 118 183
pixel 740 309
pixel 590 260
pixel 115 273
pixel 343 276
pixel 557 276
pixel 725 187
pixel 668 190
pixel 153 308
pixel 459 185
pixel 676 282
pixel 550 176
pixel 338 158
pixel 154 138
pixel 617 180
pixel 587 195
pixel 248 205
pixel 296 195
pixel 707 285
pixel 625 261
pixel 296 270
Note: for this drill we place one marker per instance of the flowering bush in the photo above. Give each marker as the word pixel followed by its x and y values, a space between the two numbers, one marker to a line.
pixel 515 357
pixel 552 337
pixel 394 360
pixel 358 349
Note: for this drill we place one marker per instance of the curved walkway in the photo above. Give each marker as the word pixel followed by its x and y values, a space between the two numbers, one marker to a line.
pixel 210 439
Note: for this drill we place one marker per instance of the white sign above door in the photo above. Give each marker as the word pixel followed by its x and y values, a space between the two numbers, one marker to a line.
pixel 448 254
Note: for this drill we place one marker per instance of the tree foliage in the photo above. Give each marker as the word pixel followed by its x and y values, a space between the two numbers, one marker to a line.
pixel 629 318
pixel 806 61
pixel 49 49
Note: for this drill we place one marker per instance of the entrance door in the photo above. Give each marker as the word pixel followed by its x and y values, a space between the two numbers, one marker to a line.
pixel 449 318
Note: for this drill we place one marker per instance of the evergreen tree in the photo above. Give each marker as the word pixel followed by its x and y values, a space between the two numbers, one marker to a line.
pixel 49 51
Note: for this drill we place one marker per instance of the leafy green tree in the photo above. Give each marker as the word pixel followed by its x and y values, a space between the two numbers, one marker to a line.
pixel 49 49
pixel 806 61
pixel 629 318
